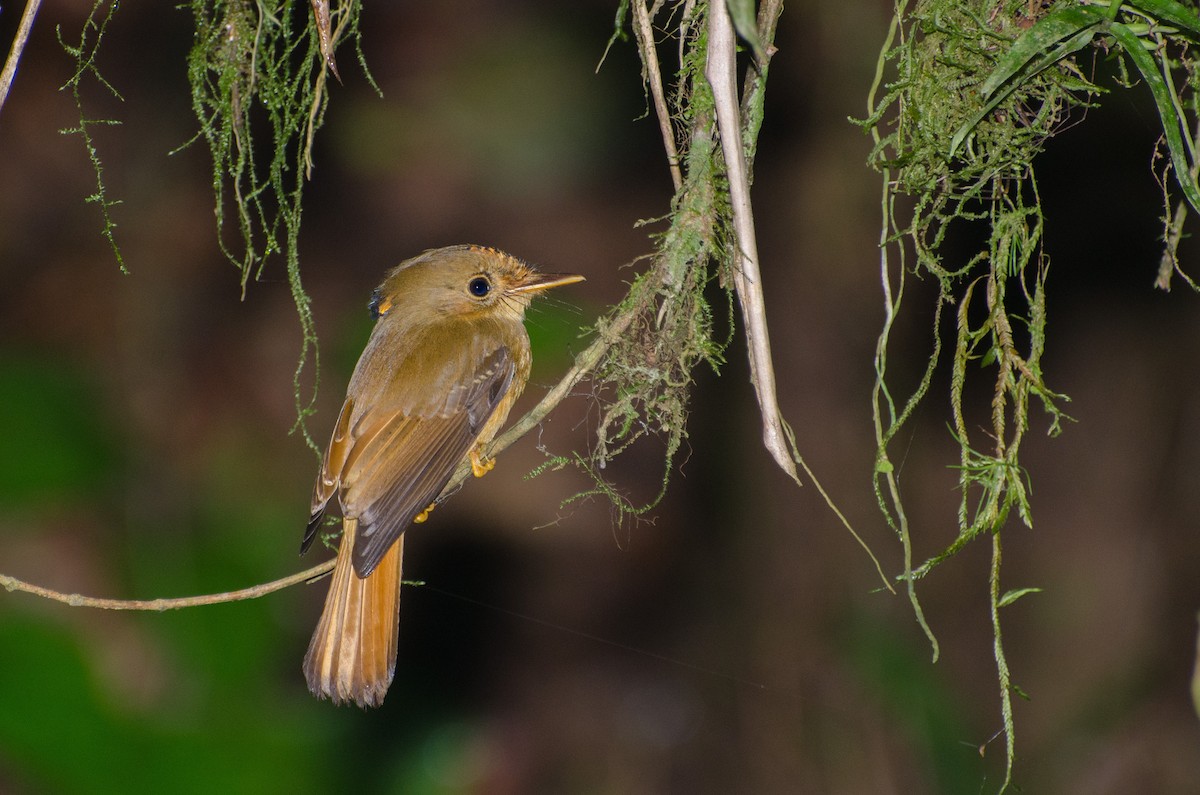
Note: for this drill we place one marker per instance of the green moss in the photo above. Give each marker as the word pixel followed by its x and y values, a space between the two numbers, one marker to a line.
pixel 642 383
pixel 260 66
pixel 971 91
pixel 85 66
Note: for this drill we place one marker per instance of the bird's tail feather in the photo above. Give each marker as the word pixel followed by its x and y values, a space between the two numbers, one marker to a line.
pixel 352 656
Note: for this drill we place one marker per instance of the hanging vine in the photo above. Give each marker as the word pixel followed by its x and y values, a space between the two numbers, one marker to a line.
pixel 273 60
pixel 966 93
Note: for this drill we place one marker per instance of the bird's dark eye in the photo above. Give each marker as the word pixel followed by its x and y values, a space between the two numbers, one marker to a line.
pixel 479 287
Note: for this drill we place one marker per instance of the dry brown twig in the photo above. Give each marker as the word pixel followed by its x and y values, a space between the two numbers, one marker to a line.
pixel 583 365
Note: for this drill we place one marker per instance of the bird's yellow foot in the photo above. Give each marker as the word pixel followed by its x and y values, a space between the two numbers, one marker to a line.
pixel 423 515
pixel 480 466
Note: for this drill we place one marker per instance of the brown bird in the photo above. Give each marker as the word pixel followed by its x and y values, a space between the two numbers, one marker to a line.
pixel 446 360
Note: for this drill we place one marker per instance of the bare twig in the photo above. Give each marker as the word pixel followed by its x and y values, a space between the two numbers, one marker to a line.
pixel 653 76
pixel 720 70
pixel 325 35
pixel 328 40
pixel 584 364
pixel 18 46
pixel 1172 234
pixel 159 605
pixel 1173 226
pixel 753 91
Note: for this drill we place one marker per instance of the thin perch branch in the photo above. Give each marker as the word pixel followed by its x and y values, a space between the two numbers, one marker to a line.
pixel 18 46
pixel 720 70
pixel 584 364
pixel 159 605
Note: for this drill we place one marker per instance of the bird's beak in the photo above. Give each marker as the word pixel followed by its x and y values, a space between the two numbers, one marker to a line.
pixel 544 281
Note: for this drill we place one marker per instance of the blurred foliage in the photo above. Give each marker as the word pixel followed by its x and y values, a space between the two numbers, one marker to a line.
pixel 115 747
pixel 66 687
pixel 55 447
pixel 918 699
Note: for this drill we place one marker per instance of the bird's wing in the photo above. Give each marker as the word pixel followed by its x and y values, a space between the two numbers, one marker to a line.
pixel 397 461
pixel 330 475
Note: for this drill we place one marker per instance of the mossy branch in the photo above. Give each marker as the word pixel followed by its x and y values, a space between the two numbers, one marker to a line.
pixel 268 60
pixel 642 379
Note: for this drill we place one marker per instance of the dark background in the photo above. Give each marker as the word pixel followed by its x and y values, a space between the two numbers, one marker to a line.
pixel 735 641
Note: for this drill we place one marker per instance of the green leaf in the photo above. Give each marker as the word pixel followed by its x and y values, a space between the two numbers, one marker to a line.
pixel 1172 12
pixel 745 23
pixel 1168 110
pixel 1049 30
pixel 1078 26
pixel 619 33
pixel 1012 596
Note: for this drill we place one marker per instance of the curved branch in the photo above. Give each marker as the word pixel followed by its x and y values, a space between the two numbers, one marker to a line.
pixel 583 366
pixel 584 363
pixel 159 605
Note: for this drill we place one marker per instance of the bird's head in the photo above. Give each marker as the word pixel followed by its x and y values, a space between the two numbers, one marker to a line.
pixel 458 281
